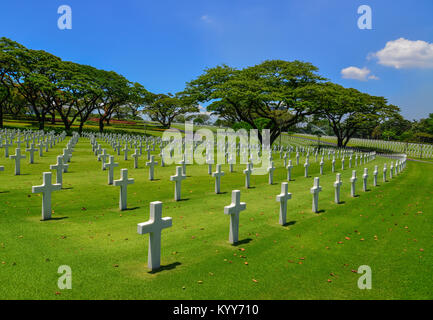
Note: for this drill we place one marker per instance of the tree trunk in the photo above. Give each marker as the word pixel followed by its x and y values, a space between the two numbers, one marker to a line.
pixel 80 128
pixel 53 118
pixel 42 122
pixel 101 124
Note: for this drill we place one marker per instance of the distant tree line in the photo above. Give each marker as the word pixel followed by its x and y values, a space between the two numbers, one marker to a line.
pixel 275 94
pixel 40 84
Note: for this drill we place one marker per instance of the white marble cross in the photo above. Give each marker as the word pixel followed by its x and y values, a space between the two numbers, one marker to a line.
pixel 289 170
pixel 6 145
pixel 321 166
pixel 247 173
pixel 136 155
pixel 111 165
pixel 183 164
pixel 103 158
pixel 231 162
pixel 353 184
pixel 148 153
pixel 154 228
pixel 217 175
pixel 384 172
pixel 123 183
pixel 364 178
pixel 32 151
pixel 337 186
pixel 46 189
pixel 283 197
pixel 376 171
pixel 391 170
pixel 151 164
pixel 315 190
pixel 271 170
pixel 60 167
pixel 161 155
pixel 178 182
pixel 306 166
pixel 41 149
pixel 234 210
pixel 17 157
pixel 209 165
pixel 125 150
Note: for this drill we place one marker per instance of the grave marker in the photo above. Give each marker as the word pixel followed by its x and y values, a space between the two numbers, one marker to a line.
pixel 283 197
pixel 154 227
pixel 234 210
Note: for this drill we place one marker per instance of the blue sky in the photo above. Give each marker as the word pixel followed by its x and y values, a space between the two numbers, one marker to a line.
pixel 163 44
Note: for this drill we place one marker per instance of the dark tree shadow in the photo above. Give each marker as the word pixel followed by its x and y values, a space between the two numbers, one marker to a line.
pixel 244 241
pixel 170 266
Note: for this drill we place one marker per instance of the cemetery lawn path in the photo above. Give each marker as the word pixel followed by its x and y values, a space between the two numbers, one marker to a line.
pixel 315 256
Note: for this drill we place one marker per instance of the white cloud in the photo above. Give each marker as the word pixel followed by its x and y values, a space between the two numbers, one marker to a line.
pixel 357 74
pixel 403 53
pixel 206 19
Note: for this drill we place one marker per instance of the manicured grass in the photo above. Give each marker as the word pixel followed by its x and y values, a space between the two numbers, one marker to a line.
pixel 387 228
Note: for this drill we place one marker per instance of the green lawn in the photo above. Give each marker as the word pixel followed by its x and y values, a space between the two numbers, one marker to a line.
pixel 313 257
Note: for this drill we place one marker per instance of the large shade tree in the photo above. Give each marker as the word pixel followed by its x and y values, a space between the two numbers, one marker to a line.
pixel 349 111
pixel 164 108
pixel 272 95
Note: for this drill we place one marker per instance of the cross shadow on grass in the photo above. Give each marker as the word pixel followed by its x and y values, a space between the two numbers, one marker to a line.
pixel 67 188
pixel 7 191
pixel 184 199
pixel 321 211
pixel 224 192
pixel 131 209
pixel 290 223
pixel 170 266
pixel 56 218
pixel 241 242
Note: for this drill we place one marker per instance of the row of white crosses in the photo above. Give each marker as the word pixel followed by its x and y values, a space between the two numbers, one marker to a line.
pixel 410 149
pixel 47 186
pixel 18 156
